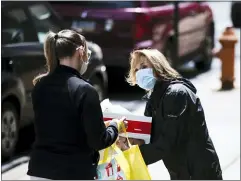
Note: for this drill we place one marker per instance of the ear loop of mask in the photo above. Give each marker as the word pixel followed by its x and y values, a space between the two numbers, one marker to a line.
pixel 82 48
pixel 89 52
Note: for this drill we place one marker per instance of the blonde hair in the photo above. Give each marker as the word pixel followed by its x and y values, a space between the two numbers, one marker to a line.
pixel 161 67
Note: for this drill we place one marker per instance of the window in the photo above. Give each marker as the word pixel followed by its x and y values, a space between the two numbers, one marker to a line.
pixel 44 20
pixel 14 26
pixel 157 3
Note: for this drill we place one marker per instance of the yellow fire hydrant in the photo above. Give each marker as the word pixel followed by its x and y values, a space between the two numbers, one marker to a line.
pixel 227 56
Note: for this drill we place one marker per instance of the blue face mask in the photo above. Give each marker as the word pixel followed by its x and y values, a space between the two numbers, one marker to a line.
pixel 145 78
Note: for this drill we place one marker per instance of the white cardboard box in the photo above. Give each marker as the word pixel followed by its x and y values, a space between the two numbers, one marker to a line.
pixel 139 127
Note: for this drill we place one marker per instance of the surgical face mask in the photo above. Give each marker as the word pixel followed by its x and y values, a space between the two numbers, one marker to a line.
pixel 85 63
pixel 145 78
pixel 84 67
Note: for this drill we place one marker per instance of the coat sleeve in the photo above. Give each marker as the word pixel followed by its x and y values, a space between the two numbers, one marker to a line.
pixel 98 136
pixel 174 107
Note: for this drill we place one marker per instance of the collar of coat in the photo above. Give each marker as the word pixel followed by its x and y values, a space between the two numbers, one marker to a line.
pixel 158 89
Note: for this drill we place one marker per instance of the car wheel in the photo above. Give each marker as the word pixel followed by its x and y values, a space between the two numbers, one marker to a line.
pixel 99 87
pixel 9 129
pixel 206 61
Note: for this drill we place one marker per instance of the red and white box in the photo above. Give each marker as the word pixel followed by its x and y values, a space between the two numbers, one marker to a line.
pixel 139 127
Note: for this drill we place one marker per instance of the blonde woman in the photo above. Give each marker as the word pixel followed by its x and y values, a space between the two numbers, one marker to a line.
pixel 179 132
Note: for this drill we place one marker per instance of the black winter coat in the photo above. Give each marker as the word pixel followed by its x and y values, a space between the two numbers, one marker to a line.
pixel 69 127
pixel 179 133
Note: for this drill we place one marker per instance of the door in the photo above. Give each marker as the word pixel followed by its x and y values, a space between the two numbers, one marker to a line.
pixel 17 32
pixel 189 28
pixel 161 15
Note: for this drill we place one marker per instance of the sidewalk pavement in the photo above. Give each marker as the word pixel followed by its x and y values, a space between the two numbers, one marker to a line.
pixel 222 111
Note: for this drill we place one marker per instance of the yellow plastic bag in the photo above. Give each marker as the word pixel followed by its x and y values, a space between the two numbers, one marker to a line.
pixel 138 168
pixel 118 165
pixel 113 166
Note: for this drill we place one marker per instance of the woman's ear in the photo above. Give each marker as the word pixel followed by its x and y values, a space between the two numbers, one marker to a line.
pixel 80 50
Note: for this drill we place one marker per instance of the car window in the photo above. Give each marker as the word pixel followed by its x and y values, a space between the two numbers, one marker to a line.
pixel 14 26
pixel 44 20
pixel 101 4
pixel 157 3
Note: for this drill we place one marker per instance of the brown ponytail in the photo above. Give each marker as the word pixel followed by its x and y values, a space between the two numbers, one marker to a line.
pixel 58 46
pixel 50 55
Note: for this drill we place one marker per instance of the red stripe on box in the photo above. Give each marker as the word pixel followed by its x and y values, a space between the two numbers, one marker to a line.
pixel 136 126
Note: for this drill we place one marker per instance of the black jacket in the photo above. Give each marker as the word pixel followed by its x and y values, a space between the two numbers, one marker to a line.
pixel 179 132
pixel 69 127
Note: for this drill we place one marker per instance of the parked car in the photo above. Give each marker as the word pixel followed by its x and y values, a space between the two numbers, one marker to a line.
pixel 236 14
pixel 24 26
pixel 121 26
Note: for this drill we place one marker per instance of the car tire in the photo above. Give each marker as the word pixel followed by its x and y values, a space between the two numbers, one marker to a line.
pixel 97 83
pixel 9 127
pixel 206 61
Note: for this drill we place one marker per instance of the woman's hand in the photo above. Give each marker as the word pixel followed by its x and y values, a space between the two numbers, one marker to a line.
pixel 107 123
pixel 122 143
pixel 121 123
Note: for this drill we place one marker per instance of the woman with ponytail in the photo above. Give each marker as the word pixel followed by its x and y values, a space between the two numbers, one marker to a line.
pixel 68 121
